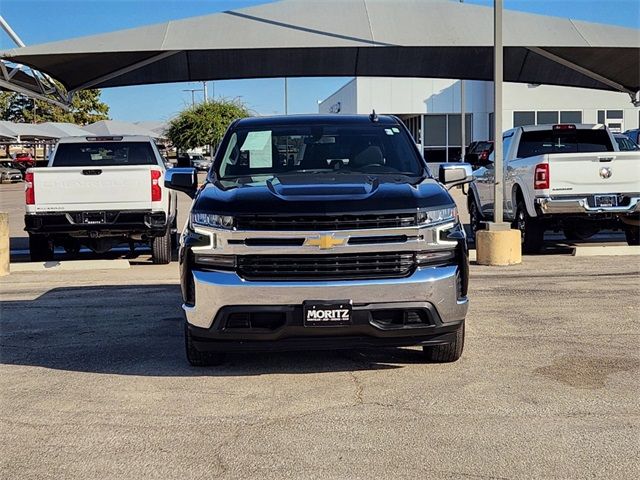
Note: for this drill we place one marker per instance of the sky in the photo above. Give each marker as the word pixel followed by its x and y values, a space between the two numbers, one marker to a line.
pixel 40 21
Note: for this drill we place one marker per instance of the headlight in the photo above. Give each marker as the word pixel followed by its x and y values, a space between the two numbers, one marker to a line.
pixel 434 257
pixel 211 220
pixel 439 215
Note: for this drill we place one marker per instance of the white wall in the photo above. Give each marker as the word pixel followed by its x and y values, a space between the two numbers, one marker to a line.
pixel 404 96
pixel 346 97
pixel 523 97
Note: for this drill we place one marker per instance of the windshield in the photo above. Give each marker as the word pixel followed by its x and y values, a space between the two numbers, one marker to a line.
pixel 104 154
pixel 312 149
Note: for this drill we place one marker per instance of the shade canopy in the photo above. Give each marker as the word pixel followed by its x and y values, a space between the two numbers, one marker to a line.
pixel 7 134
pixel 115 127
pixel 62 129
pixel 407 38
pixel 25 131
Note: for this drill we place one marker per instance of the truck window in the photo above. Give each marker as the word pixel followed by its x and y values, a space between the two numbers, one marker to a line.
pixel 104 154
pixel 541 142
pixel 307 149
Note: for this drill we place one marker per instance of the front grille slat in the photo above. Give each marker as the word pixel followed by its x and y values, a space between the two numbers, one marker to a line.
pixel 314 267
pixel 335 222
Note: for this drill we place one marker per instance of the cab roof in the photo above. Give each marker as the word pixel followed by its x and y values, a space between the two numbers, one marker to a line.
pixel 315 119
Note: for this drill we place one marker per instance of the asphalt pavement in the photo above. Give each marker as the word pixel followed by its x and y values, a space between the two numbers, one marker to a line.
pixel 94 384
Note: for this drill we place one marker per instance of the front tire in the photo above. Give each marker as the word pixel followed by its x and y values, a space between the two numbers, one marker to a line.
pixel 198 358
pixel 40 248
pixel 475 218
pixel 448 352
pixel 531 230
pixel 632 233
pixel 161 248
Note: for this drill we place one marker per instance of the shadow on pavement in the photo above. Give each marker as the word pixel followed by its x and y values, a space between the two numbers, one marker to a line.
pixel 138 330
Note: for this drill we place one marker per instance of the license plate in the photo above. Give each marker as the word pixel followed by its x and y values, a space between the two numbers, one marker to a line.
pixel 327 313
pixel 606 200
pixel 93 217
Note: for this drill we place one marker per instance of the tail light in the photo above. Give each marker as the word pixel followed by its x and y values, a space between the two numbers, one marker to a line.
pixel 541 176
pixel 29 189
pixel 156 191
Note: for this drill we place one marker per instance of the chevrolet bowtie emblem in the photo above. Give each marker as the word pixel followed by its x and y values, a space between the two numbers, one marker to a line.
pixel 325 242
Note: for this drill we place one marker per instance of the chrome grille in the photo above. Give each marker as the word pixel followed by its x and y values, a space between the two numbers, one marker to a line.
pixel 326 267
pixel 325 222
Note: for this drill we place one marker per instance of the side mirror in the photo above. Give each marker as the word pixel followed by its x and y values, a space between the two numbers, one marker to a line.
pixel 455 174
pixel 182 179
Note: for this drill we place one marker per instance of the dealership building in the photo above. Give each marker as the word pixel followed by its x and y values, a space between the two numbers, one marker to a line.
pixel 431 108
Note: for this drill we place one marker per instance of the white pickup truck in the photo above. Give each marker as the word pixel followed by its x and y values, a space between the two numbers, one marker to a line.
pixel 100 192
pixel 568 177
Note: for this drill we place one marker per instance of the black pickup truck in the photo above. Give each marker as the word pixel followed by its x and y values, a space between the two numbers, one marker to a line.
pixel 315 232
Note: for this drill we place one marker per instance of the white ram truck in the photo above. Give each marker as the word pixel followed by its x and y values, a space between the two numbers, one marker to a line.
pixel 567 177
pixel 100 192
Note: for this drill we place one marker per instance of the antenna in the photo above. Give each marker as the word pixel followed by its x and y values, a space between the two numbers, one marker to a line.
pixel 373 116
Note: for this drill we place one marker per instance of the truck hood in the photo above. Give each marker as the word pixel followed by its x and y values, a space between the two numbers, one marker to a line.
pixel 322 194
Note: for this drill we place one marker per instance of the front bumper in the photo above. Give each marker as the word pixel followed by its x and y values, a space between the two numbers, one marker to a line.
pixel 435 289
pixel 584 205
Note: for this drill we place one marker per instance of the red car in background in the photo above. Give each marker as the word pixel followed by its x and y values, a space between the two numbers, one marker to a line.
pixel 23 160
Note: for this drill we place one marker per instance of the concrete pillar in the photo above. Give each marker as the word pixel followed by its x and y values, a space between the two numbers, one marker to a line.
pixel 4 244
pixel 498 247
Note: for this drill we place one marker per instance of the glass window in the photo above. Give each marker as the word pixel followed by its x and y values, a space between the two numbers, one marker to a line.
pixel 601 116
pixel 614 114
pixel 455 137
pixel 506 143
pixel 435 155
pixel 104 154
pixel 540 142
pixel 312 149
pixel 626 144
pixel 435 130
pixel 571 117
pixel 547 118
pixel 454 154
pixel 453 121
pixel 523 118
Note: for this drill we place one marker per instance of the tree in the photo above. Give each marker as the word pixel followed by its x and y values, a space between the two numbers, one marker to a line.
pixel 86 107
pixel 205 123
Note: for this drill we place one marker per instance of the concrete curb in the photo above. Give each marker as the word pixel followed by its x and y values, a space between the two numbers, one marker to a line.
pixel 77 265
pixel 606 250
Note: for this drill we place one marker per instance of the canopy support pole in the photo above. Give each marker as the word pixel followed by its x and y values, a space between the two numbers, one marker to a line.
pixel 584 71
pixel 498 162
pixel 122 71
